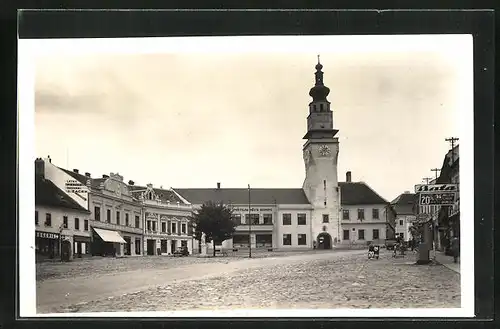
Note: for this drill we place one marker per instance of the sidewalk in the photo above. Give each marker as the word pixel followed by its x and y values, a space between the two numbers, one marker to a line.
pixel 447 261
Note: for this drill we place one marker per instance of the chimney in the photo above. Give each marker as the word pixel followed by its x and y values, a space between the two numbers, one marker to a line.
pixel 87 174
pixel 105 176
pixel 40 167
pixel 218 186
pixel 406 192
pixel 130 182
pixel 75 171
pixel 348 177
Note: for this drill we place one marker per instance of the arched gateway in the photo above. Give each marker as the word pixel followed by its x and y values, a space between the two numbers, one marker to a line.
pixel 324 241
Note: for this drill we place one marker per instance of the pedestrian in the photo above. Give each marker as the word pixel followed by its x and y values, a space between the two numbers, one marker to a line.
pixel 455 248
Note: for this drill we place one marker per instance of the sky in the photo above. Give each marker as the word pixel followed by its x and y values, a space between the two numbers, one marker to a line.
pixel 233 110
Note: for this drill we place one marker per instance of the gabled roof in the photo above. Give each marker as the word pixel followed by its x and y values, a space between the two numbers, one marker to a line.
pixel 48 194
pixel 240 195
pixel 404 204
pixel 164 195
pixel 359 193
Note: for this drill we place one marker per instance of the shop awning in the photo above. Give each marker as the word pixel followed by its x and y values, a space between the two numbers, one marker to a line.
pixel 109 236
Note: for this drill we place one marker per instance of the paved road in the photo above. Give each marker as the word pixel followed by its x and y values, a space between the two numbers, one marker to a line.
pixel 315 280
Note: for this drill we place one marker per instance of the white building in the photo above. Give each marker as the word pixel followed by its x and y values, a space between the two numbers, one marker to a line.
pixel 307 217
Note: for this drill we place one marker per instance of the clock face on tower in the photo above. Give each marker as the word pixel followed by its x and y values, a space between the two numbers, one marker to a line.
pixel 324 150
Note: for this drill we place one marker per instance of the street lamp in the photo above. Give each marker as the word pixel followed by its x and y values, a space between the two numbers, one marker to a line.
pixel 249 226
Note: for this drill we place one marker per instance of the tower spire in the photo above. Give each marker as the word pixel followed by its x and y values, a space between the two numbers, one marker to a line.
pixel 320 119
pixel 319 91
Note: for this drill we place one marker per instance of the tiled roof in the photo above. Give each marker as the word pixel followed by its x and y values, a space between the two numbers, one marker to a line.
pixel 404 204
pixel 95 182
pixel 351 193
pixel 240 195
pixel 48 194
pixel 355 193
pixel 164 195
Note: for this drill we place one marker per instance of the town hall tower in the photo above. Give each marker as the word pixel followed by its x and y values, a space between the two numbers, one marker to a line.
pixel 320 154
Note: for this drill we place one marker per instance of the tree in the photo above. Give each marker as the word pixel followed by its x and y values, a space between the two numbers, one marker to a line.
pixel 215 220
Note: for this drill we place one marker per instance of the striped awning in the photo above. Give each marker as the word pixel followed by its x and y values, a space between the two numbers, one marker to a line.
pixel 109 236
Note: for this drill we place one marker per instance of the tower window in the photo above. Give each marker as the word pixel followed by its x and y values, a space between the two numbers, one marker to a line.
pixel 324 184
pixel 321 107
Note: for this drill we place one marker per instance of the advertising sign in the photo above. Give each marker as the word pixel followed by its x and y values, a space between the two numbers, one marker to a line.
pixel 74 186
pixel 436 188
pixel 441 199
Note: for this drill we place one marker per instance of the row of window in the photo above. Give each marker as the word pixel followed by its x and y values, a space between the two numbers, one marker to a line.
pixel 172 228
pixel 267 219
pixel 301 239
pixel 48 221
pixel 346 214
pixel 361 234
pixel 97 217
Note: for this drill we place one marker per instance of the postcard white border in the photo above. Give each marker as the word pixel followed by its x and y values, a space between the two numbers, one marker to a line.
pixel 28 50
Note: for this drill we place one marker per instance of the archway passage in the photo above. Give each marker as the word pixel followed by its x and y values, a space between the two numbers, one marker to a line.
pixel 324 241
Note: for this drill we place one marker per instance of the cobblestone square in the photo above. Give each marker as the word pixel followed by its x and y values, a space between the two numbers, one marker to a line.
pixel 338 279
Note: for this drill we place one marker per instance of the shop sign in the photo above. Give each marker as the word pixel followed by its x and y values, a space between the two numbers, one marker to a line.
pixel 436 188
pixel 47 235
pixel 434 199
pixel 253 209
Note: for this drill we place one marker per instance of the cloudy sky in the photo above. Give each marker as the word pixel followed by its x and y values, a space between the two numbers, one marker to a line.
pixel 188 117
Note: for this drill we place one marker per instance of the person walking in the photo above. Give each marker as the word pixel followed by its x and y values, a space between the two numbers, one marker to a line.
pixel 455 249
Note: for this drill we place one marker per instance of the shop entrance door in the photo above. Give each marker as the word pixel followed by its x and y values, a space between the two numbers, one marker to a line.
pixel 127 245
pixel 151 247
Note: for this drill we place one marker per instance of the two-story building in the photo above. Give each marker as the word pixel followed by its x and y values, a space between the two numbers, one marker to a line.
pixel 278 218
pixel 165 220
pixel 60 222
pixel 364 213
pixel 405 214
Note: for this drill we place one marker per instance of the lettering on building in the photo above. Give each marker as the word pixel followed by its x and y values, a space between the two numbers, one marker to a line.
pixel 433 188
pixel 74 186
pixel 46 235
pixel 252 209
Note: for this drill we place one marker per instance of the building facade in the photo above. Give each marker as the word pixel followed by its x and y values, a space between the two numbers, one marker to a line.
pixel 447 218
pixel 404 207
pixel 307 217
pixel 61 224
pixel 165 221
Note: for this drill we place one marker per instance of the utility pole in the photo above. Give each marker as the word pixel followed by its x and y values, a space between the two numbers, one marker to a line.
pixel 452 141
pixel 249 226
pixel 436 170
pixel 426 179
